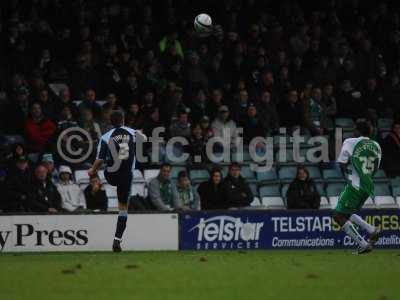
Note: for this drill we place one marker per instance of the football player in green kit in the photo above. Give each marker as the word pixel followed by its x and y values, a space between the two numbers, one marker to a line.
pixel 359 159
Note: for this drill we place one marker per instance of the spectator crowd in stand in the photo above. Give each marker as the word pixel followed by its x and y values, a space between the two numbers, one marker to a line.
pixel 270 64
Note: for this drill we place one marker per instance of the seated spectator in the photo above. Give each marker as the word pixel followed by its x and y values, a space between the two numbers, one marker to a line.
pixel 291 111
pixel 48 105
pixel 329 101
pixel 206 127
pixel 4 199
pixel 197 144
pixel 48 163
pixel 198 105
pixel 72 198
pixel 223 126
pixel 96 198
pixel 210 192
pixel 134 117
pixel 215 102
pixel 38 129
pixel 160 190
pixel 185 197
pixel 235 190
pixel 88 123
pixel 252 126
pixel 239 108
pixel 89 103
pixel 17 151
pixel 316 113
pixel 64 100
pixel 44 196
pixel 391 151
pixel 104 122
pixel 302 192
pixel 267 109
pixel 181 127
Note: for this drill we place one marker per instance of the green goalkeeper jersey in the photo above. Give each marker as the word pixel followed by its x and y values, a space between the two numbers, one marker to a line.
pixel 363 156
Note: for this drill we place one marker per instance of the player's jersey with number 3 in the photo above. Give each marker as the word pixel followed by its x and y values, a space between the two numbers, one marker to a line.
pixel 364 157
pixel 117 149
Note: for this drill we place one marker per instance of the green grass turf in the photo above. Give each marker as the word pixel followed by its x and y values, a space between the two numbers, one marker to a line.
pixel 322 275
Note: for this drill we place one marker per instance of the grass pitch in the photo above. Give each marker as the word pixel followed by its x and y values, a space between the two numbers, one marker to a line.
pixel 292 275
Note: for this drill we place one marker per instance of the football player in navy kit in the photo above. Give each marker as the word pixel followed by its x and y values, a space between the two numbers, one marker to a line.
pixel 116 149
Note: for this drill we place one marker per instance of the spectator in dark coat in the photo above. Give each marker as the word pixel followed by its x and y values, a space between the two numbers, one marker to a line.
pixel 96 198
pixel 253 127
pixel 89 103
pixel 44 196
pixel 210 192
pixel 391 151
pixel 18 185
pixel 291 111
pixel 266 108
pixel 302 192
pixel 235 190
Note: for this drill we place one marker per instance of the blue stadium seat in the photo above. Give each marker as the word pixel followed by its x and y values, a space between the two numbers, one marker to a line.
pixel 269 175
pixel 199 175
pixel 284 190
pixel 385 124
pixel 287 173
pixel 254 189
pixel 332 174
pixel 269 190
pixel 334 189
pixel 314 171
pixel 175 170
pixel 345 123
pixel 248 173
pixel 382 189
pixel 380 174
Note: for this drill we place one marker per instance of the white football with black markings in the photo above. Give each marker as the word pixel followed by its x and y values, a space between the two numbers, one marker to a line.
pixel 203 25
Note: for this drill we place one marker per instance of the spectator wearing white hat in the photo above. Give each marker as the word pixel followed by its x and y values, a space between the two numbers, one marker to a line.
pixel 72 197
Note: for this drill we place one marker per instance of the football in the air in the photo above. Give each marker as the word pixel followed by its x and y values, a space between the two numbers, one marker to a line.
pixel 203 25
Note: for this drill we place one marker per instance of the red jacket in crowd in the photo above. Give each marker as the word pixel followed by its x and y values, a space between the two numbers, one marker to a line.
pixel 39 133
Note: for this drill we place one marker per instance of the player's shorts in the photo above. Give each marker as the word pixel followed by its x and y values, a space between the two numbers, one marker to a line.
pixel 123 184
pixel 351 200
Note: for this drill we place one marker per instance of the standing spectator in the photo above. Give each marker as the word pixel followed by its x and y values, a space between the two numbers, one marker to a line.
pixel 44 195
pixel 210 192
pixel 215 102
pixel 72 197
pixel 38 129
pixel 96 198
pixel 316 113
pixel 302 192
pixel 349 102
pixel 235 190
pixel 391 151
pixel 18 186
pixel 197 144
pixel 239 109
pixel 160 190
pixel 252 127
pixel 185 196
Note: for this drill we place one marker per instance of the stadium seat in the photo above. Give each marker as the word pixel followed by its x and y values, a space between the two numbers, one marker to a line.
pixel 111 191
pixel 345 123
pixel 81 176
pixel 385 124
pixel 269 190
pixel 347 135
pixel 334 189
pixel 175 171
pixel 380 174
pixel 396 191
pixel 324 204
pixel 321 188
pixel 254 189
pixel 199 175
pixel 112 204
pixel 284 190
pixel 332 174
pixel 314 171
pixel 138 189
pixel 256 202
pixel 333 201
pixel 382 189
pixel 138 176
pixel 397 199
pixel 385 202
pixel 287 172
pixel 269 175
pixel 248 173
pixel 286 158
pixel 150 173
pixel 369 203
pixel 273 202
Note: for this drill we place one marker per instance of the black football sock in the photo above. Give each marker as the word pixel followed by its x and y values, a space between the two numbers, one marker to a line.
pixel 121 225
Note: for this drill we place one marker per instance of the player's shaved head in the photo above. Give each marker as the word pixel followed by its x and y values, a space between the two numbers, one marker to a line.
pixel 364 128
pixel 117 118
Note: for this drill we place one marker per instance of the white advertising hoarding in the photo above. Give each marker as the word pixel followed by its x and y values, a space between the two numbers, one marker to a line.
pixel 87 232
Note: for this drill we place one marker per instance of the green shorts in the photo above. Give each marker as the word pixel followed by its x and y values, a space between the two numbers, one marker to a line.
pixel 350 200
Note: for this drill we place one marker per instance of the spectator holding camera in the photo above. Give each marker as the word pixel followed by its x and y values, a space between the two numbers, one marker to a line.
pixel 72 197
pixel 302 192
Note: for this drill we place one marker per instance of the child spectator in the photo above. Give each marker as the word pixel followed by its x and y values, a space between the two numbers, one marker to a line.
pixel 72 198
